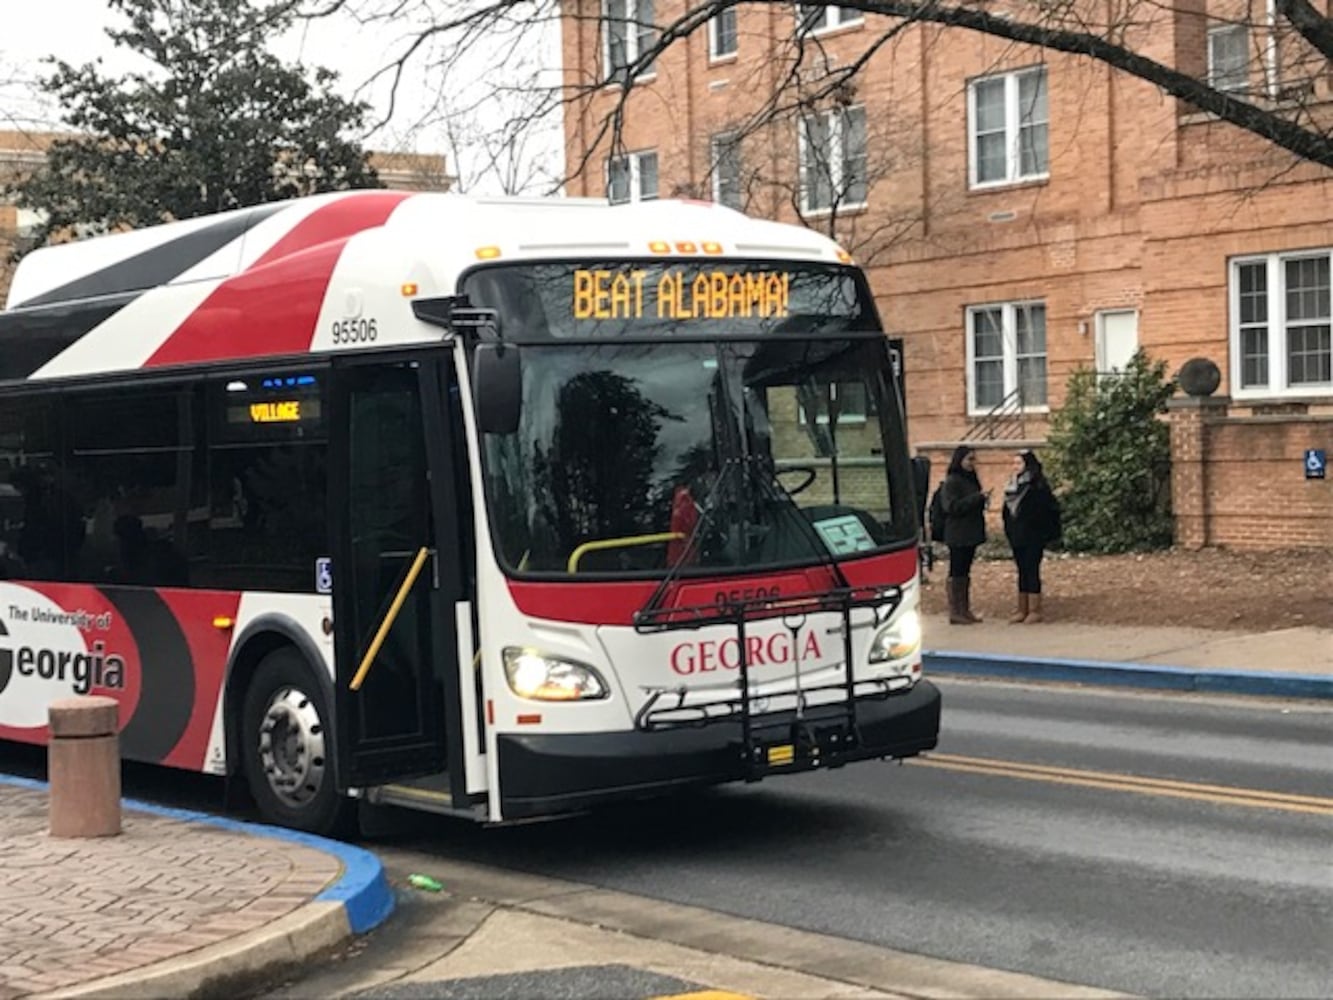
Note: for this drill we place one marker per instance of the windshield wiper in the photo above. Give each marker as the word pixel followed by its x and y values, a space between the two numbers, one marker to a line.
pixel 766 477
pixel 707 510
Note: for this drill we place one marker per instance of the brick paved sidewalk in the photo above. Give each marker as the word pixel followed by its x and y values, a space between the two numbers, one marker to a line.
pixel 72 911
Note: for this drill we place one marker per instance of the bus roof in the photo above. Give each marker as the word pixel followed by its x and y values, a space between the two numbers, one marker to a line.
pixel 329 272
pixel 220 246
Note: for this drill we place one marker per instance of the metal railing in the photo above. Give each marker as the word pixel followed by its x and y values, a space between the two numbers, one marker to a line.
pixel 1006 420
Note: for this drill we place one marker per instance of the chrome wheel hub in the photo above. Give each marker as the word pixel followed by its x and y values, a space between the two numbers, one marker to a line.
pixel 291 747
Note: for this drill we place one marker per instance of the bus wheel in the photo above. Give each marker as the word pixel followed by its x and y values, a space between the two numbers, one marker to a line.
pixel 288 747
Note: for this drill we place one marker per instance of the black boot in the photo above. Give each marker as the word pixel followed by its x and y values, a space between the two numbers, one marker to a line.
pixel 955 592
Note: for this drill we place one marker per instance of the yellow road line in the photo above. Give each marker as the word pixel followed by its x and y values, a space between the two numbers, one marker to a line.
pixel 1224 794
pixel 706 995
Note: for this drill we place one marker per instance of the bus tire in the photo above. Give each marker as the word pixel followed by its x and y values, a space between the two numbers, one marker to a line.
pixel 287 746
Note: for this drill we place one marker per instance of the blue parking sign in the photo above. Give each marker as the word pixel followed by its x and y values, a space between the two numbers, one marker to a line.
pixel 1316 464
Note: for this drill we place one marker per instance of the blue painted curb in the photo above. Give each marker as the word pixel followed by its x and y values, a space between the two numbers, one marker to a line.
pixel 1138 675
pixel 362 889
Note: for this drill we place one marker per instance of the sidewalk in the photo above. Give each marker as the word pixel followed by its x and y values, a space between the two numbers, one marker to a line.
pixel 1293 662
pixel 178 903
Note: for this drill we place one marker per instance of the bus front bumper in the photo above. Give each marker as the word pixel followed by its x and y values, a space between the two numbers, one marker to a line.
pixel 545 774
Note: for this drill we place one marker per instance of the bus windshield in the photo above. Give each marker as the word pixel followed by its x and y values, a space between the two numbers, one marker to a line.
pixel 642 459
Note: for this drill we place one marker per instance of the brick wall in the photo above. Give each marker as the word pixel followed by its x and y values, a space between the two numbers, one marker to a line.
pixel 1239 482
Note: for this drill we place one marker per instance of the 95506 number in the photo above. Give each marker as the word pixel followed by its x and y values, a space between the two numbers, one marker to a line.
pixel 354 331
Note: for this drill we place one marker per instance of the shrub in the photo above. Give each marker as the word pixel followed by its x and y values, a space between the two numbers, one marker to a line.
pixel 1110 459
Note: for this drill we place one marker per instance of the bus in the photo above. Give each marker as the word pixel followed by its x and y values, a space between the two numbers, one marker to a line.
pixel 496 508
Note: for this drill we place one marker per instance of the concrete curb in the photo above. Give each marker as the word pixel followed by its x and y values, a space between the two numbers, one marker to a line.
pixel 359 900
pixel 1133 675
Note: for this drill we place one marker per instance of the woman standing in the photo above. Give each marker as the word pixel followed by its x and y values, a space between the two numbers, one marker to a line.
pixel 964 529
pixel 1031 521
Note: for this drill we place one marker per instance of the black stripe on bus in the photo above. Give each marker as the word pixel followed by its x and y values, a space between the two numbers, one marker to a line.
pixel 166 675
pixel 156 266
pixel 32 337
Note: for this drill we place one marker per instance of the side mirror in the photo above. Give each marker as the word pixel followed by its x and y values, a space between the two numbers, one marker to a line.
pixel 497 382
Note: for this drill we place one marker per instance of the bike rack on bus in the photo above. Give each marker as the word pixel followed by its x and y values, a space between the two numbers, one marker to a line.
pixel 802 737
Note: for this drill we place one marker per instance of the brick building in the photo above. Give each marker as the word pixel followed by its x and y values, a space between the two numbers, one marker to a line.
pixel 1020 213
pixel 22 152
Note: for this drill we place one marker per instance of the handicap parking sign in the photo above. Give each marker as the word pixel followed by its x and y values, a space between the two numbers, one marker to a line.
pixel 1316 463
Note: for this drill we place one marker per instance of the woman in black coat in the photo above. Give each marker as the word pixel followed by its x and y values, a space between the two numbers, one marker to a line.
pixel 964 506
pixel 1031 521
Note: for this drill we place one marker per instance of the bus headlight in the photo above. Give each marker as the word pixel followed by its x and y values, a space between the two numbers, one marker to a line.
pixel 547 678
pixel 899 639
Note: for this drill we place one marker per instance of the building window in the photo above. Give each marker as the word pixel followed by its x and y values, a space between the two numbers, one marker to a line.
pixel 1282 324
pixel 1006 346
pixel 1228 58
pixel 629 34
pixel 631 178
pixel 1008 128
pixel 850 400
pixel 812 19
pixel 833 159
pixel 722 40
pixel 726 152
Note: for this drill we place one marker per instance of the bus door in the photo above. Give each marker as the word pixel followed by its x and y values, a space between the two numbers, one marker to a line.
pixel 395 570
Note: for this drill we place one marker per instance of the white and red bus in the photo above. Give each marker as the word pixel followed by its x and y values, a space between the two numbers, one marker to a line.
pixel 493 508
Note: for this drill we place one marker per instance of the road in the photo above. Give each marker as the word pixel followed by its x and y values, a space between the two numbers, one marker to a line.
pixel 1160 845
pixel 1072 871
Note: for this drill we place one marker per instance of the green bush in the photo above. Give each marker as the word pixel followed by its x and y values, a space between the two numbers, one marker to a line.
pixel 1110 459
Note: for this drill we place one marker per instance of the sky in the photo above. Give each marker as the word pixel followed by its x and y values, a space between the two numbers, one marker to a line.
pixel 74 30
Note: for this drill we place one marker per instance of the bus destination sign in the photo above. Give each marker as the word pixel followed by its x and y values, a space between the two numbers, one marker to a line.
pixel 275 411
pixel 681 294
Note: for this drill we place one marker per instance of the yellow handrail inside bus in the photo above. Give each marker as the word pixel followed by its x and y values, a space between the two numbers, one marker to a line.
pixel 620 543
pixel 389 619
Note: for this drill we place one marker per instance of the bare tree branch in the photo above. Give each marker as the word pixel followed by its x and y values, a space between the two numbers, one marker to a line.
pixel 1313 26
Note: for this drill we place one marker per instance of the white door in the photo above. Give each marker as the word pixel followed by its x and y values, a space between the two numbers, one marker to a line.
pixel 1117 338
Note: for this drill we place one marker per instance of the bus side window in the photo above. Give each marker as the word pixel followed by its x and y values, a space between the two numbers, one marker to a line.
pixel 36 519
pixel 267 507
pixel 133 468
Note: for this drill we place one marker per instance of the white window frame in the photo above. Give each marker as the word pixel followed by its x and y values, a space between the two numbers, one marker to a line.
pixel 1271 80
pixel 635 162
pixel 635 35
pixel 717 148
pixel 826 19
pixel 836 119
pixel 1009 357
pixel 715 38
pixel 1215 73
pixel 1278 386
pixel 1013 121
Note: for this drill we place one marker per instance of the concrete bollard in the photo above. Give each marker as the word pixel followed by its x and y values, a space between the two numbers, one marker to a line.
pixel 84 764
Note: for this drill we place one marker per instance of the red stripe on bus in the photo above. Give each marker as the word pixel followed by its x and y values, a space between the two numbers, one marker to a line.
pixel 273 306
pixel 603 602
pixel 335 221
pixel 194 611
